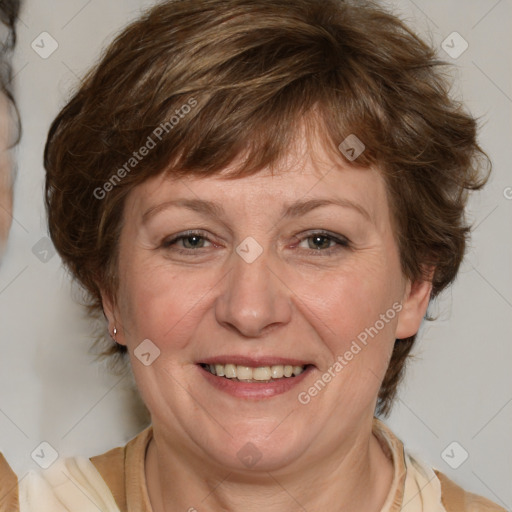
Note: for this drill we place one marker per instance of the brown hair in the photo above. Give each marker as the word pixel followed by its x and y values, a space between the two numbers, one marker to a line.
pixel 221 78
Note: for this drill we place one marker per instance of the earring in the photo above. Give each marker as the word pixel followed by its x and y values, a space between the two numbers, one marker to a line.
pixel 113 336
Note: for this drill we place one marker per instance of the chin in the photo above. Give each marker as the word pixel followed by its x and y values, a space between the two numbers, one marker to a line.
pixel 254 452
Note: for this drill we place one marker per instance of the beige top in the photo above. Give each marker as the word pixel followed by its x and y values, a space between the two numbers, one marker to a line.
pixel 115 481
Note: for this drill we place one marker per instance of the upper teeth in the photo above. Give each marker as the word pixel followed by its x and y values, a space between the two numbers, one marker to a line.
pixel 233 371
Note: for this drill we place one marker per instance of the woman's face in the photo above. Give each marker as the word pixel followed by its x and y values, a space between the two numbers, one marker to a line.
pixel 298 269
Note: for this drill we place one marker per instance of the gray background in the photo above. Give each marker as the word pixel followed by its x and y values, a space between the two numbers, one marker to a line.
pixel 459 388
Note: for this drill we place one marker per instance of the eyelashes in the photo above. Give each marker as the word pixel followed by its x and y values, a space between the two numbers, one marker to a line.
pixel 315 242
pixel 195 239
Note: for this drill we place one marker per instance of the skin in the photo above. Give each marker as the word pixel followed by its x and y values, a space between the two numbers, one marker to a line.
pixel 295 300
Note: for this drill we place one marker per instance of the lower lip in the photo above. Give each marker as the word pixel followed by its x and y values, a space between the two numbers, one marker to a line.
pixel 255 390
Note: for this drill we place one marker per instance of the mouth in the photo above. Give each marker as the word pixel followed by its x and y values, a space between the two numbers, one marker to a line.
pixel 250 378
pixel 243 373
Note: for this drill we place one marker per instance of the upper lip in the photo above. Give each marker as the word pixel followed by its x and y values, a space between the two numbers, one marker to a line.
pixel 254 362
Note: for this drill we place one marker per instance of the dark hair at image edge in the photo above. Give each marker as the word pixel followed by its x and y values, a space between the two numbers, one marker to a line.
pixel 9 11
pixel 258 69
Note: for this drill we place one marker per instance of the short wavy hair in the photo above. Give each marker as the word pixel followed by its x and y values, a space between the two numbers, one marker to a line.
pixel 255 69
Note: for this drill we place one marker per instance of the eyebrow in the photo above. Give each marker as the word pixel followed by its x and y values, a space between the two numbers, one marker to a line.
pixel 207 208
pixel 296 209
pixel 302 207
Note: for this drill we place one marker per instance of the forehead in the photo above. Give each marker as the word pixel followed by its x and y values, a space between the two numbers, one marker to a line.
pixel 307 171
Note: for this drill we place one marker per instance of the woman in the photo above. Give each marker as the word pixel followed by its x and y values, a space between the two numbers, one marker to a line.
pixel 262 197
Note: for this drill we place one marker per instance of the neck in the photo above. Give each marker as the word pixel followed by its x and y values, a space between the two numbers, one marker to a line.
pixel 356 476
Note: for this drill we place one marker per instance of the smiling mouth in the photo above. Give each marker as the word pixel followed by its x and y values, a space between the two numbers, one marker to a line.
pixel 243 373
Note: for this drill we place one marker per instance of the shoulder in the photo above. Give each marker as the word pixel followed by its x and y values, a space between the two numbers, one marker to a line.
pixel 103 482
pixel 111 467
pixel 456 499
pixel 122 469
pixel 68 484
pixel 8 488
pixel 425 488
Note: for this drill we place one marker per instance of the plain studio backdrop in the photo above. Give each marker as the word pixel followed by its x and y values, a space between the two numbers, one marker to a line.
pixel 455 407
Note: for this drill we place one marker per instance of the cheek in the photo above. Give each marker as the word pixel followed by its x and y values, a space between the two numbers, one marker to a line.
pixel 358 304
pixel 158 304
pixel 356 322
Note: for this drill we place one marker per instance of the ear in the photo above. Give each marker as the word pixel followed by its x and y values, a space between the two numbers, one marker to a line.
pixel 414 307
pixel 112 315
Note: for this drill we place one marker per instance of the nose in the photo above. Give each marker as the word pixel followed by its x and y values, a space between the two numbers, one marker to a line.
pixel 253 300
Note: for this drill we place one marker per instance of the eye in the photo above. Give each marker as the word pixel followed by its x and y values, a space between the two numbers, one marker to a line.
pixel 193 242
pixel 189 241
pixel 318 242
pixel 322 242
